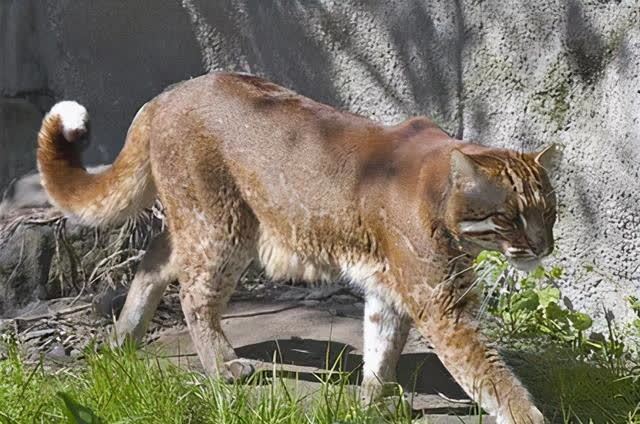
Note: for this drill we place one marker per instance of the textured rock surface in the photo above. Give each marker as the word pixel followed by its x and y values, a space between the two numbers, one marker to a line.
pixel 45 256
pixel 519 74
pixel 25 258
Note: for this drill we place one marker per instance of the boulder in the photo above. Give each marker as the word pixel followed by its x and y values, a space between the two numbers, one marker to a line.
pixel 25 259
pixel 44 255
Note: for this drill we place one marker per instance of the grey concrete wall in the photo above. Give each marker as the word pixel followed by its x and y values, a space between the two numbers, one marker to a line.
pixel 520 74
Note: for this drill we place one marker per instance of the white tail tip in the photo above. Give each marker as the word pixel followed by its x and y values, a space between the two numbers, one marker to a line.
pixel 73 116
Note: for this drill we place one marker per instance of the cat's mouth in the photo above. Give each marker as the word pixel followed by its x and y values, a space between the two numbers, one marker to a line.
pixel 524 263
pixel 522 259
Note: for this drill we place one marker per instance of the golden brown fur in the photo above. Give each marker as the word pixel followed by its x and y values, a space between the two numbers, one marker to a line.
pixel 246 169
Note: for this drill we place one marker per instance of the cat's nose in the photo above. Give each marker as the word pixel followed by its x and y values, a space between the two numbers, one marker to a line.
pixel 541 244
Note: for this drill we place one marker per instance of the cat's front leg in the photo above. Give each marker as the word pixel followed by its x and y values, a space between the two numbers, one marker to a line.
pixel 472 361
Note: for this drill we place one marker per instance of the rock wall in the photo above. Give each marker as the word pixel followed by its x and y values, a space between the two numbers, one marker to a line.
pixel 520 74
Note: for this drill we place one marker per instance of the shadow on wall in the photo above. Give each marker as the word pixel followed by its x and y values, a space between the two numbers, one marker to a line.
pixel 305 45
pixel 386 60
pixel 586 48
pixel 383 60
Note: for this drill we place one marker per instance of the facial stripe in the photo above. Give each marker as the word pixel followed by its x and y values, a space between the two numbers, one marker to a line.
pixel 518 251
pixel 502 221
pixel 483 226
pixel 526 181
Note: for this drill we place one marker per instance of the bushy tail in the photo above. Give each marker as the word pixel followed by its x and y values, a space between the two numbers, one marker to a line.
pixel 103 198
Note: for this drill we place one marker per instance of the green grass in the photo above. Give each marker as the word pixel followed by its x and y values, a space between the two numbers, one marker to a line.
pixel 126 387
pixel 571 390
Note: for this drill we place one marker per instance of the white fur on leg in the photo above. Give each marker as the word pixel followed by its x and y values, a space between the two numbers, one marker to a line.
pixel 73 116
pixel 144 296
pixel 154 273
pixel 385 333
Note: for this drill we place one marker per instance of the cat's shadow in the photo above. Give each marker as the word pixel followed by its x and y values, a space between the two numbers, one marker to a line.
pixel 417 372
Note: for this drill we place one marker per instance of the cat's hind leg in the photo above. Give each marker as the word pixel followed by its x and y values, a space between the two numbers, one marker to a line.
pixel 153 275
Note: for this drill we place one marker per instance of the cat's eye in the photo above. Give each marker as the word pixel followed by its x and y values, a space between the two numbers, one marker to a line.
pixel 520 221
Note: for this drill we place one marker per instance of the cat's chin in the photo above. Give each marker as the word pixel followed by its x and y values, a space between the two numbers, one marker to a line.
pixel 526 265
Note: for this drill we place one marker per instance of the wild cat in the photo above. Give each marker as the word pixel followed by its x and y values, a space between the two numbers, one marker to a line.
pixel 248 169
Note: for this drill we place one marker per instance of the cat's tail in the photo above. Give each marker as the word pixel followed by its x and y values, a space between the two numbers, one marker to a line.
pixel 107 197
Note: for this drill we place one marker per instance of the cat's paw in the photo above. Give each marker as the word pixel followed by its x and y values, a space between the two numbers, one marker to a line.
pixel 372 390
pixel 521 414
pixel 238 370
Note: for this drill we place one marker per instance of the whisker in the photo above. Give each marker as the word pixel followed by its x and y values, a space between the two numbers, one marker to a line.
pixel 457 274
pixel 487 298
pixel 471 287
pixel 456 258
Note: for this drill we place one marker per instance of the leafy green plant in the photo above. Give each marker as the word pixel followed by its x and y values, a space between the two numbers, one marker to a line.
pixel 580 375
pixel 531 305
pixel 634 302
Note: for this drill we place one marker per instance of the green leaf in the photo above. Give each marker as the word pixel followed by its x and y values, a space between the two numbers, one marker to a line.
pixel 555 272
pixel 487 258
pixel 538 273
pixel 634 303
pixel 548 295
pixel 76 413
pixel 482 256
pixel 580 321
pixel 554 312
pixel 527 301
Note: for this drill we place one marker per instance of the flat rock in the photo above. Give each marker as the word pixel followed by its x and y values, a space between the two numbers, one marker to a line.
pixel 306 341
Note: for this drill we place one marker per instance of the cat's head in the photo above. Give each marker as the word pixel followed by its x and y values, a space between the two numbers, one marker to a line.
pixel 502 200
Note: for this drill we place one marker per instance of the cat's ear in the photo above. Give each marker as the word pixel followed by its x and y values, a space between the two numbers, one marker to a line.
pixel 549 158
pixel 463 167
